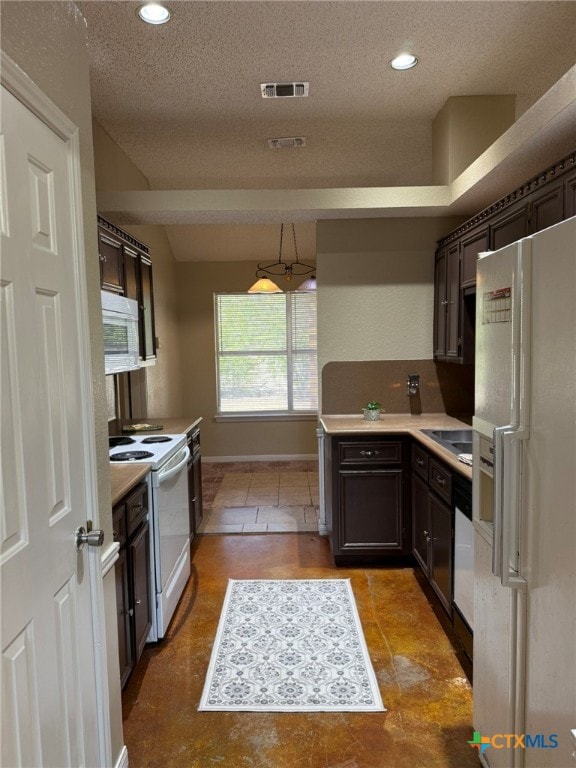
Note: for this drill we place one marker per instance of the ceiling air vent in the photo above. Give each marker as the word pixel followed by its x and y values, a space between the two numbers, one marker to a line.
pixel 287 142
pixel 283 90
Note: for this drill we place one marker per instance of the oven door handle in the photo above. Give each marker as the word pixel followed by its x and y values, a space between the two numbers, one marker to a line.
pixel 170 473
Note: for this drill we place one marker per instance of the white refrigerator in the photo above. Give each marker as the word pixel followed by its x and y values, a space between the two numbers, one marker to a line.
pixel 524 502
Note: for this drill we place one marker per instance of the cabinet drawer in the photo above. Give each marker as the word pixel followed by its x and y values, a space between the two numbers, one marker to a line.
pixel 440 481
pixel 136 508
pixel 370 452
pixel 119 523
pixel 420 461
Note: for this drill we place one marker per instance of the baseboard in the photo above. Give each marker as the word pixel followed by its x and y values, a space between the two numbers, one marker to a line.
pixel 122 761
pixel 286 457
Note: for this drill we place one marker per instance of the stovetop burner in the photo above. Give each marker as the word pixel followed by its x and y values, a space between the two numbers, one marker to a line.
pixel 157 439
pixel 131 456
pixel 115 441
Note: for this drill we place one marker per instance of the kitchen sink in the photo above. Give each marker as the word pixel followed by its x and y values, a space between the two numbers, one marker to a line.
pixel 455 440
pixel 463 447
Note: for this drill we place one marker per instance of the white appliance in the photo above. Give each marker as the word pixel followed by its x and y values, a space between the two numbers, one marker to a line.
pixel 524 492
pixel 463 599
pixel 169 517
pixel 121 339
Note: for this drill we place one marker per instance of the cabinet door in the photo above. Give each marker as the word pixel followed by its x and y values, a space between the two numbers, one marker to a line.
pixel 125 643
pixel 370 511
pixel 147 329
pixel 470 247
pixel 453 303
pixel 440 303
pixel 546 207
pixel 447 304
pixel 509 227
pixel 141 586
pixel 131 273
pixel 420 522
pixel 440 566
pixel 111 262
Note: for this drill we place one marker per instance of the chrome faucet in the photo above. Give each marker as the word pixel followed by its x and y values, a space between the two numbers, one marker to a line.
pixel 412 384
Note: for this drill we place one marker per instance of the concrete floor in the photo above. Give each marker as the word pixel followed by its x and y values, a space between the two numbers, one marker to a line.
pixel 429 700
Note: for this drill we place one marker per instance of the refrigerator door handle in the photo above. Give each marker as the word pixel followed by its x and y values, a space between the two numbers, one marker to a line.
pixel 498 499
pixel 511 509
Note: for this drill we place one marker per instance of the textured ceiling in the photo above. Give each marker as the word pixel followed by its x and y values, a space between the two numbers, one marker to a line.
pixel 183 100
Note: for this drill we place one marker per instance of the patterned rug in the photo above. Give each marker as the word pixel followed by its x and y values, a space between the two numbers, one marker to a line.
pixel 290 646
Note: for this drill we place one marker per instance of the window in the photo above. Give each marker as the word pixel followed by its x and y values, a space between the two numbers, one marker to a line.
pixel 266 353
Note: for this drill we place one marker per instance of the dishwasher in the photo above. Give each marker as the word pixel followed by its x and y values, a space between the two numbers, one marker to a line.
pixel 463 599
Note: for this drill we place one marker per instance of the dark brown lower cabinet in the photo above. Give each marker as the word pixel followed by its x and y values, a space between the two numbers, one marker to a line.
pixel 440 570
pixel 432 523
pixel 421 523
pixel 366 504
pixel 133 579
pixel 195 481
pixel 139 562
pixel 125 646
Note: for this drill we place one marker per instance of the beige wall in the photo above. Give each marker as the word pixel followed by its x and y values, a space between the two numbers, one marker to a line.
pixel 115 171
pixel 376 289
pixel 48 41
pixel 464 128
pixel 197 283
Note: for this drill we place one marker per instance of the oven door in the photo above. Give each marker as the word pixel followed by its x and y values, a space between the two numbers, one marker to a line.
pixel 172 535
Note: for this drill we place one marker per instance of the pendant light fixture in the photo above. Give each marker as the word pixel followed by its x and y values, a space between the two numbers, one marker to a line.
pixel 280 268
pixel 308 285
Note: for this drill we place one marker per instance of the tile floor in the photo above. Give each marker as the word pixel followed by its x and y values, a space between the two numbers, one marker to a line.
pixel 260 497
pixel 429 700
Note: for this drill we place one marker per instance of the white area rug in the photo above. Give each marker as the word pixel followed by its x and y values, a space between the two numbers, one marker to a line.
pixel 290 646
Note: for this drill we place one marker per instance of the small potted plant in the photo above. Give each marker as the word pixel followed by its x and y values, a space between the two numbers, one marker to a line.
pixel 372 410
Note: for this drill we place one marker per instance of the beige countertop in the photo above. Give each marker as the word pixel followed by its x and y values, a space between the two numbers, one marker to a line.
pixel 174 425
pixel 123 477
pixel 403 424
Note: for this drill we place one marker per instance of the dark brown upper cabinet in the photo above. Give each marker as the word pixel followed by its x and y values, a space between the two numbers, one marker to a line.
pixel 111 262
pixel 541 202
pixel 126 268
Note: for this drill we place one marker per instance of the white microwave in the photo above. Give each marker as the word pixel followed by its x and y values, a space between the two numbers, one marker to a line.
pixel 121 340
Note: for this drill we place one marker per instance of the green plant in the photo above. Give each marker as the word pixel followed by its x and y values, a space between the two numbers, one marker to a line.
pixel 373 405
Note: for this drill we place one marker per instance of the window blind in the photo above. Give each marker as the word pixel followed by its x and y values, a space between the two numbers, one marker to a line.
pixel 266 352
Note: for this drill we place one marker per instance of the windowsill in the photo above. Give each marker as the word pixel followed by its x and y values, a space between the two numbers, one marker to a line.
pixel 231 417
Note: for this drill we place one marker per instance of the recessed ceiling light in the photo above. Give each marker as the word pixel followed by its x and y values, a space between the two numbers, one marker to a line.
pixel 404 61
pixel 154 13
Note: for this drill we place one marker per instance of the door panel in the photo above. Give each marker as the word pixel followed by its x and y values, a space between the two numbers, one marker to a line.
pixel 49 687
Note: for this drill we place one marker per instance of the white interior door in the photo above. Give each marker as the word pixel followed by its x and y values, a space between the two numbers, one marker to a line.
pixel 49 712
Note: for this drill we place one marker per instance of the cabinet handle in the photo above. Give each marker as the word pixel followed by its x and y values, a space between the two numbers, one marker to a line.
pixel 440 480
pixel 369 453
pixel 102 258
pixel 131 612
pixel 138 602
pixel 419 461
pixel 444 302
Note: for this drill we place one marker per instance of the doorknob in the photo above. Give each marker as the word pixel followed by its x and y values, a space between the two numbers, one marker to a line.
pixel 92 538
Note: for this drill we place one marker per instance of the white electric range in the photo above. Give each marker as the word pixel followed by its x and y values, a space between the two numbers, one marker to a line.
pixel 169 517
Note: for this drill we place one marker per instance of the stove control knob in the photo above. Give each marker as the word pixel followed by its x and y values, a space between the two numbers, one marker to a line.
pixel 92 538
